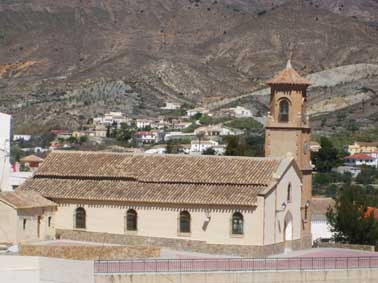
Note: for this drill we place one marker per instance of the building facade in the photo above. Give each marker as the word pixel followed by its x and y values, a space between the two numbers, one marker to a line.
pixel 25 216
pixel 227 205
pixel 288 130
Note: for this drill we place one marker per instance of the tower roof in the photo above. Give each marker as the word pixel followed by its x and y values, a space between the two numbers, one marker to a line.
pixel 289 76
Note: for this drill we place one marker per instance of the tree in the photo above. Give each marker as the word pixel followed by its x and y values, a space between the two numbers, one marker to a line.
pixel 209 151
pixel 327 157
pixel 173 147
pixel 233 147
pixel 350 221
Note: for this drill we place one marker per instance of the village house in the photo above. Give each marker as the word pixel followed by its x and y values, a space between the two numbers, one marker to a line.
pixel 171 106
pixel 199 110
pixel 360 159
pixel 111 118
pixel 235 205
pixel 143 123
pixel 26 216
pixel 237 112
pixel 219 130
pixel 100 131
pixel 362 147
pixel 22 137
pixel 199 146
pixel 32 162
pixel 154 136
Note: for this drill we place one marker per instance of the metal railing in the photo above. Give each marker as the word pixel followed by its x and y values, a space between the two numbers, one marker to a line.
pixel 233 264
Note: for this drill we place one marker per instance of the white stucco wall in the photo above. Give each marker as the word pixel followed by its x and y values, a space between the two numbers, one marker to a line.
pixel 320 229
pixel 20 269
pixel 5 129
pixel 275 216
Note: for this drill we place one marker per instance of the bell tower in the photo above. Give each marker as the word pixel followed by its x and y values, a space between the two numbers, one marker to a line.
pixel 288 130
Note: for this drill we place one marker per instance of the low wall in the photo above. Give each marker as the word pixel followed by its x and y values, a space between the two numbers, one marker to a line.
pixel 184 245
pixel 334 276
pixel 82 252
pixel 18 269
pixel 346 246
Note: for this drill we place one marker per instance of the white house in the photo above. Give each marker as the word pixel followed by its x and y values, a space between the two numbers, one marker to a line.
pixel 199 146
pixel 21 137
pixel 319 225
pixel 199 110
pixel 240 112
pixel 360 159
pixel 171 106
pixel 111 118
pixel 217 130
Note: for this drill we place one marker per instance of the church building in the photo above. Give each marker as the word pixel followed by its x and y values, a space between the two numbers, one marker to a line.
pixel 212 204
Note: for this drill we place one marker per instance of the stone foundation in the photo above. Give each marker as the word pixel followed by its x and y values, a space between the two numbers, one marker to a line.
pixel 89 252
pixel 179 244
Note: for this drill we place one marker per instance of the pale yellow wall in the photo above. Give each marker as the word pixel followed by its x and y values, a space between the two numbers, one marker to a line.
pixel 11 224
pixel 8 219
pixel 162 222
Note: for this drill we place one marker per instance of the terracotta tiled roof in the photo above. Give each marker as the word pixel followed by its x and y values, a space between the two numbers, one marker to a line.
pixel 25 199
pixel 160 168
pixel 371 210
pixel 115 190
pixel 359 156
pixel 210 180
pixel 289 76
pixel 31 158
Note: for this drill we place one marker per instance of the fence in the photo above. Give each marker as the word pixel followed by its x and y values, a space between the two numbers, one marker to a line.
pixel 234 264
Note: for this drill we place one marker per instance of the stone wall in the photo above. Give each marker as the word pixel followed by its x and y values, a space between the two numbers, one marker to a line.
pixel 310 276
pixel 346 246
pixel 88 252
pixel 179 244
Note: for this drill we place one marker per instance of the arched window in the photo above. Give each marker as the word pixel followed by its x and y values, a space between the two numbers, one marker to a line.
pixel 237 223
pixel 284 111
pixel 132 220
pixel 289 193
pixel 184 222
pixel 80 218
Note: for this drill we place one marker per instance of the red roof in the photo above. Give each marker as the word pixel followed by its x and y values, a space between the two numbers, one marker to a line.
pixel 359 156
pixel 371 210
pixel 289 76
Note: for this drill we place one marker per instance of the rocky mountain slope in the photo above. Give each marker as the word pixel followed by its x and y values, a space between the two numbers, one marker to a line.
pixel 64 61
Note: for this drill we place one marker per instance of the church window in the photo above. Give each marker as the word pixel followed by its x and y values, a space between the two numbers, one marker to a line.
pixel 289 193
pixel 80 218
pixel 305 148
pixel 237 223
pixel 284 111
pixel 184 222
pixel 132 220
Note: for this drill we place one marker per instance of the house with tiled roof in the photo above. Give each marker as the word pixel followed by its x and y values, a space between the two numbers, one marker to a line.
pixel 26 216
pixel 361 159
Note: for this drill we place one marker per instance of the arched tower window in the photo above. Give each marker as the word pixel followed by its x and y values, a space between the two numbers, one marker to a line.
pixel 80 218
pixel 184 222
pixel 289 193
pixel 131 220
pixel 284 111
pixel 237 223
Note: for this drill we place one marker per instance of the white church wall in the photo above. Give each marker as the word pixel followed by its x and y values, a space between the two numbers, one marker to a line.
pixel 275 215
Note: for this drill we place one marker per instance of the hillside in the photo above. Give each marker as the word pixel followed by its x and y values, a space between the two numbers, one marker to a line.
pixel 64 61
